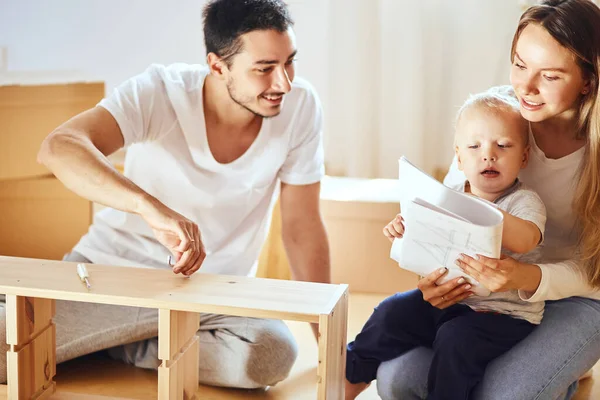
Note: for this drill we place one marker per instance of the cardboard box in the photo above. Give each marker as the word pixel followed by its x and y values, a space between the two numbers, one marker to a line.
pixel 355 212
pixel 40 218
pixel 28 113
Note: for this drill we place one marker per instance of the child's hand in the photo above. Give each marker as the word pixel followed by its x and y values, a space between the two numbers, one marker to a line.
pixel 395 229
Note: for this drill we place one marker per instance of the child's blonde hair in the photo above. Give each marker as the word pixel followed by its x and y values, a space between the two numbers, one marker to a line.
pixel 500 98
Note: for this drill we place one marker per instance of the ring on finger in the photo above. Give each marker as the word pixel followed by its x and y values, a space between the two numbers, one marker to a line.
pixel 443 298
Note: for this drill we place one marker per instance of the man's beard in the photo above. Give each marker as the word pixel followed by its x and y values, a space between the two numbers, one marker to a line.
pixel 243 102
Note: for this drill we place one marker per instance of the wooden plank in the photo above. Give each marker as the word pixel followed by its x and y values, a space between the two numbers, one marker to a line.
pixel 332 351
pixel 12 374
pixel 190 364
pixel 29 315
pixel 166 375
pixel 31 370
pixel 176 329
pixel 83 396
pixel 178 350
pixel 12 320
pixel 157 288
pixel 178 379
pixel 66 395
pixel 47 392
pixel 31 359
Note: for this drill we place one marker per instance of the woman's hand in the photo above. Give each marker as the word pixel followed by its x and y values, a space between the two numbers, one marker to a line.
pixel 446 294
pixel 395 229
pixel 503 274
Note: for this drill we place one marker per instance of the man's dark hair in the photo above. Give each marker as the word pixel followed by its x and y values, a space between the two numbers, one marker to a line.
pixel 226 20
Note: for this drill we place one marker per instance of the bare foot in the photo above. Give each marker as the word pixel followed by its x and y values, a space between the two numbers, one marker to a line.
pixel 354 389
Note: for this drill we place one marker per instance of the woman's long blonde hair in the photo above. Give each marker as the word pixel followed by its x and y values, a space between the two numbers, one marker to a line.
pixel 575 24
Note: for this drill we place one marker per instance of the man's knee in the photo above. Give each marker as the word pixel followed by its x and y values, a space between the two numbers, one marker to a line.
pixel 271 354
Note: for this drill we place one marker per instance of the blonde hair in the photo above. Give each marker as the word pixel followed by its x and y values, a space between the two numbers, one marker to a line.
pixel 575 24
pixel 496 98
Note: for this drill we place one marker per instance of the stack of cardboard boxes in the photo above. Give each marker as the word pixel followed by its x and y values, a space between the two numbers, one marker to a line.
pixel 355 211
pixel 39 217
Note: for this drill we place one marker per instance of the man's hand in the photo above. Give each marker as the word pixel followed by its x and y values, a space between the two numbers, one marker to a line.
pixel 178 234
pixel 395 229
pixel 304 236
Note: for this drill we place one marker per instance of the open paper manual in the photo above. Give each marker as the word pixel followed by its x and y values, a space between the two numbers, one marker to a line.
pixel 441 223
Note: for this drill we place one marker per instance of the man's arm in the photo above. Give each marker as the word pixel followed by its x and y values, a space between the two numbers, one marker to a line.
pixel 518 235
pixel 76 152
pixel 304 236
pixel 303 233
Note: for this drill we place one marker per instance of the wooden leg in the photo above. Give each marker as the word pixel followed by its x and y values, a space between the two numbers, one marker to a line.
pixel 332 351
pixel 31 358
pixel 178 350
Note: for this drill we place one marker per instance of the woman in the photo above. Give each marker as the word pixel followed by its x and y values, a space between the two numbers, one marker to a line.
pixel 555 69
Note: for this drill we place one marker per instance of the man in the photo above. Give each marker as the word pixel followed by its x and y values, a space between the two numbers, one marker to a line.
pixel 208 146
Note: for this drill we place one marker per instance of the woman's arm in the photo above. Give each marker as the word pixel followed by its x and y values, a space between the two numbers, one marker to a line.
pixel 519 235
pixel 560 280
pixel 551 281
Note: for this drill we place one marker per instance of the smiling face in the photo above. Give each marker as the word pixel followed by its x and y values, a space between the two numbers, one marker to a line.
pixel 262 73
pixel 491 148
pixel 546 77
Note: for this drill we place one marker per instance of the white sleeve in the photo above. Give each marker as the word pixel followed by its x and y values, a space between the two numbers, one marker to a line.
pixel 527 205
pixel 304 163
pixel 560 280
pixel 140 106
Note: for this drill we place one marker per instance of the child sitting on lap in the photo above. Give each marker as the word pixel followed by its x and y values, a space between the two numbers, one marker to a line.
pixel 491 145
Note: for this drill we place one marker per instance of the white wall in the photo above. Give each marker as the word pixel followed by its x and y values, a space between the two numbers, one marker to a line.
pixel 115 39
pixel 434 54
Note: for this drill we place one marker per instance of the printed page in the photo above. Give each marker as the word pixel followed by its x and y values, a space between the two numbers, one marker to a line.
pixel 438 209
pixel 415 183
pixel 432 240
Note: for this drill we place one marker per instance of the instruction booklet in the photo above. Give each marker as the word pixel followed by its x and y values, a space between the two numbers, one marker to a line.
pixel 441 223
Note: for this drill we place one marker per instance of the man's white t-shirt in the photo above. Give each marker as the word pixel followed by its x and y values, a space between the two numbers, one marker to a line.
pixel 160 113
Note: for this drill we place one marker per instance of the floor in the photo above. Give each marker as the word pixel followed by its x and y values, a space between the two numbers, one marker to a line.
pixel 98 376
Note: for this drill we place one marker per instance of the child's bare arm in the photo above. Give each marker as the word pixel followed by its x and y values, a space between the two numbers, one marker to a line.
pixel 519 235
pixel 395 228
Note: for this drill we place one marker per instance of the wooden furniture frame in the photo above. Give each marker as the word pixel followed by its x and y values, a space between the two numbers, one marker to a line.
pixel 32 286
